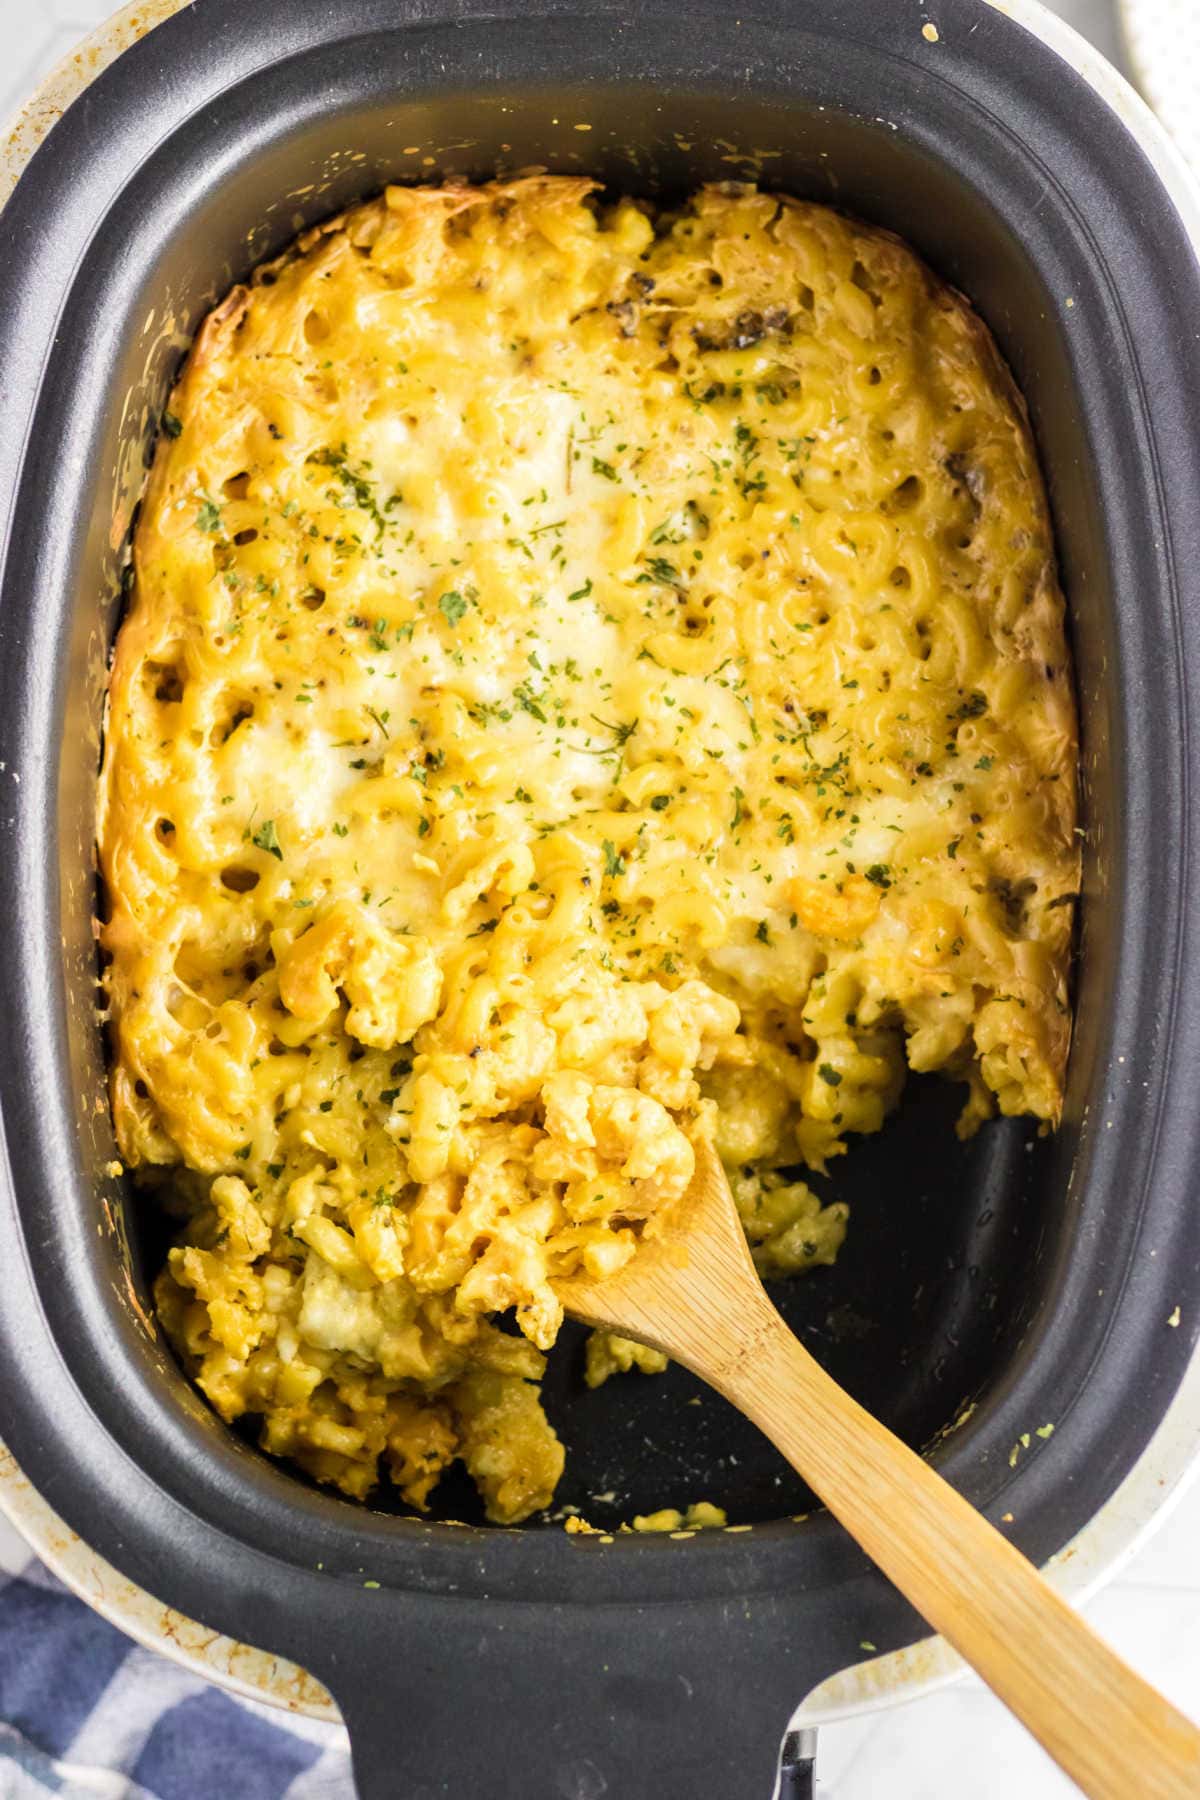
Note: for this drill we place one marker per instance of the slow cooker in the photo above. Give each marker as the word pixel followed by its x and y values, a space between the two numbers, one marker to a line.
pixel 1023 1308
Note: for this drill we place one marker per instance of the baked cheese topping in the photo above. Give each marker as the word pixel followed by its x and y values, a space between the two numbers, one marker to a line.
pixel 592 677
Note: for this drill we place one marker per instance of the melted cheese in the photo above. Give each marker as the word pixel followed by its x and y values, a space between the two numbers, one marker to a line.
pixel 591 678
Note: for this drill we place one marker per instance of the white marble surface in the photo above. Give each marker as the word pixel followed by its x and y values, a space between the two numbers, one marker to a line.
pixel 37 33
pixel 959 1744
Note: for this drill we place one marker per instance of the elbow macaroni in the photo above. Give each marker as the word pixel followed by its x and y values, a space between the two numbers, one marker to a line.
pixel 591 678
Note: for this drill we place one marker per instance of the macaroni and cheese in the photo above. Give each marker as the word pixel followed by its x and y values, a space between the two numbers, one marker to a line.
pixel 593 676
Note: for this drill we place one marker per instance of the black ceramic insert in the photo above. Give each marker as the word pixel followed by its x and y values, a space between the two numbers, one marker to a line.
pixel 1030 1278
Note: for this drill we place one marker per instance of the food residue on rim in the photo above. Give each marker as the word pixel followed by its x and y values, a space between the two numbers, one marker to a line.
pixel 701 1515
pixel 1026 1438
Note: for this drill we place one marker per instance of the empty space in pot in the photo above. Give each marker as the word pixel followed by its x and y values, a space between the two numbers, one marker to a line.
pixel 945 1283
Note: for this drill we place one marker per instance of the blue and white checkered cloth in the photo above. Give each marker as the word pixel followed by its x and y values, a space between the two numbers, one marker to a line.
pixel 87 1714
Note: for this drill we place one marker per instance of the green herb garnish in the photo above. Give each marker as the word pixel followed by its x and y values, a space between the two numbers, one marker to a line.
pixel 267 838
pixel 354 483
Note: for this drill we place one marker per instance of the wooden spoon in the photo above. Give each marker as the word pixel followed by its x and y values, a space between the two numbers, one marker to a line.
pixel 697 1296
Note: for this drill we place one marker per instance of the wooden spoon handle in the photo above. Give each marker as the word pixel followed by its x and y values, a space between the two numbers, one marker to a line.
pixel 1111 1732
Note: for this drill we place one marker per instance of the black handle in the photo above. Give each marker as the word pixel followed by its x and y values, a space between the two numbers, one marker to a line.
pixel 462 1700
pixel 798 1766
